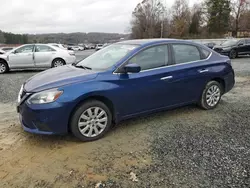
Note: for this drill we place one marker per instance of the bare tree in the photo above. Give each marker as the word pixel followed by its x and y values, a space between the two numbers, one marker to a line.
pixel 180 18
pixel 238 8
pixel 147 19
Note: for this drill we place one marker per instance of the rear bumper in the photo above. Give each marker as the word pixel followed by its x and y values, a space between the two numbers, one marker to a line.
pixel 71 59
pixel 229 81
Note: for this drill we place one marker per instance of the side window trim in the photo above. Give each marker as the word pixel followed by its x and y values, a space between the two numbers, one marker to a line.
pixel 118 70
pixel 198 48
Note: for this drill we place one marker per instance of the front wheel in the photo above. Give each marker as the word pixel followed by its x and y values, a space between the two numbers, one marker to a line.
pixel 3 67
pixel 91 121
pixel 211 95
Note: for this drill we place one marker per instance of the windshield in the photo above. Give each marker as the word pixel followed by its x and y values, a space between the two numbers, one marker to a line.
pixel 107 57
pixel 229 43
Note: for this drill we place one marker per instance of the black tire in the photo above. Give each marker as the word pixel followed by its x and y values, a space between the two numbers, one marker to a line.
pixel 203 101
pixel 233 54
pixel 3 67
pixel 80 110
pixel 57 60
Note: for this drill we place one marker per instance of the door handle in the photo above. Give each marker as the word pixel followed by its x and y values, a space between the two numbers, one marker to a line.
pixel 167 78
pixel 203 70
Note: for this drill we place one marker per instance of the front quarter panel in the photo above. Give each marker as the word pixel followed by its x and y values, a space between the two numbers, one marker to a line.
pixel 77 93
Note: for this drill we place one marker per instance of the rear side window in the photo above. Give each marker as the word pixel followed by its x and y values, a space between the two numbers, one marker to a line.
pixel 43 48
pixel 184 53
pixel 205 53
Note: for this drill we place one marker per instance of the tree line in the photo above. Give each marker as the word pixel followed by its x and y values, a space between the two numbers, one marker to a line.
pixel 208 19
pixel 10 38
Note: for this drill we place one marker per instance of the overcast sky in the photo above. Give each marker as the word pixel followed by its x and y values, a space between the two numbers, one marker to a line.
pixel 50 16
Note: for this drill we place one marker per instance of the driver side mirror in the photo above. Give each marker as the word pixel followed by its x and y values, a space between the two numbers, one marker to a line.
pixel 241 44
pixel 132 68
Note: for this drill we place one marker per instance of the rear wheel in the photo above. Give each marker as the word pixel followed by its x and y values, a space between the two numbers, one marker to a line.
pixel 233 54
pixel 91 121
pixel 58 63
pixel 3 67
pixel 211 95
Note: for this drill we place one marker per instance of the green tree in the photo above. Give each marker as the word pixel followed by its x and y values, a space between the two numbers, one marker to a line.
pixel 194 28
pixel 218 14
pixel 2 39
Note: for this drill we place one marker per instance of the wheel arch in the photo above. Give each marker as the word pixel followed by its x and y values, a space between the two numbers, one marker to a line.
pixel 100 98
pixel 56 59
pixel 1 59
pixel 221 81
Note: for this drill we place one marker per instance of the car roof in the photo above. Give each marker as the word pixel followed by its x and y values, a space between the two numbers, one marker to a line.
pixel 148 41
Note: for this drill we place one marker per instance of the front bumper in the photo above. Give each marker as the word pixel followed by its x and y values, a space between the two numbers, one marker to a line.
pixel 44 119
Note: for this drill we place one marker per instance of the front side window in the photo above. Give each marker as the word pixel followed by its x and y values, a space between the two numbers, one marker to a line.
pixel 107 57
pixel 44 48
pixel 25 49
pixel 184 53
pixel 151 58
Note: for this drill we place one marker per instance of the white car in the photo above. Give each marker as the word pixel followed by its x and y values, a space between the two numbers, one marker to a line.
pixel 35 56
pixel 77 48
pixel 98 47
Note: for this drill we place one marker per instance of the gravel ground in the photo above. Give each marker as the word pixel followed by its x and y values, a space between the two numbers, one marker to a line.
pixel 185 147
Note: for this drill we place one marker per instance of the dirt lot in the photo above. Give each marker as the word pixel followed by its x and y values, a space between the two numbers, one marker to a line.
pixel 186 147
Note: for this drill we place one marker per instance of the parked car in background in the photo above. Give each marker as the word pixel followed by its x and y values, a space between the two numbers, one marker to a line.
pixel 6 49
pixel 98 47
pixel 234 47
pixel 210 45
pixel 77 48
pixel 35 56
pixel 149 75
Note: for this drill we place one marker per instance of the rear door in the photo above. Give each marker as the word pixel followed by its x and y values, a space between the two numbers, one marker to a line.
pixel 189 74
pixel 22 57
pixel 43 55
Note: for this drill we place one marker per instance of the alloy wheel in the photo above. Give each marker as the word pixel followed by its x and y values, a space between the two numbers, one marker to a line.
pixel 92 122
pixel 213 95
pixel 58 63
pixel 2 68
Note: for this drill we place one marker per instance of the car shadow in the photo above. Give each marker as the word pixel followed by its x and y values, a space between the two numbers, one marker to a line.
pixel 25 71
pixel 128 125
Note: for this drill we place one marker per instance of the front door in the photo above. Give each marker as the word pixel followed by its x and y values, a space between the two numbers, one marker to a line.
pixel 22 57
pixel 149 89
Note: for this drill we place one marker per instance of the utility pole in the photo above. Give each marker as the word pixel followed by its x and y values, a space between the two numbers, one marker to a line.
pixel 163 17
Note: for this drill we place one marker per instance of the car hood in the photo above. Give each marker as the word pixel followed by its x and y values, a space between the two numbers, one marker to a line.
pixel 57 77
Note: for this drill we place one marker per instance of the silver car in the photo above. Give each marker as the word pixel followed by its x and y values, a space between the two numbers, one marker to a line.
pixel 35 56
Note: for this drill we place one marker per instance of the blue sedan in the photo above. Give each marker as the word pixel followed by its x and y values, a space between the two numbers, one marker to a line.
pixel 121 81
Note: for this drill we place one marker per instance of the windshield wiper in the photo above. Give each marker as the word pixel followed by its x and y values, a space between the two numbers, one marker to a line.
pixel 83 67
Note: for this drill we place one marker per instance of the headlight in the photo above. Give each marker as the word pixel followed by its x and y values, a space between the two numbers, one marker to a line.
pixel 45 97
